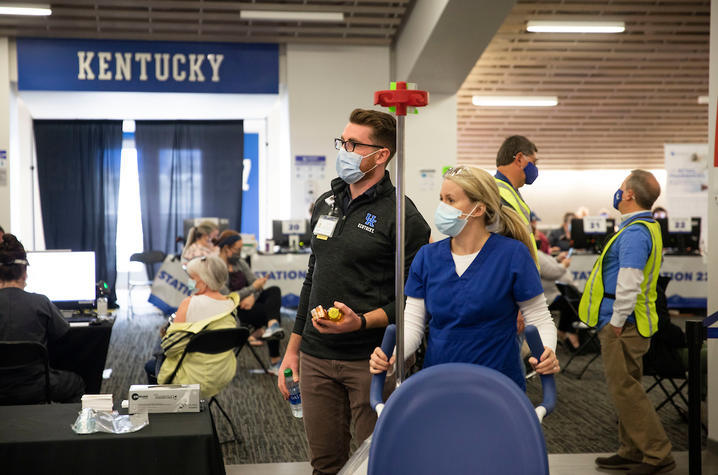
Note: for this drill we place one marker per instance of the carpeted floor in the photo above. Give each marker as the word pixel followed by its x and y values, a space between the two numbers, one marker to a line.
pixel 584 420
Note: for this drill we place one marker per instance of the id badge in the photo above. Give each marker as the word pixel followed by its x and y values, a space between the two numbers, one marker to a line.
pixel 324 228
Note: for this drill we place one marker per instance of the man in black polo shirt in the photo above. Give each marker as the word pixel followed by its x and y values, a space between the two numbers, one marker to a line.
pixel 352 268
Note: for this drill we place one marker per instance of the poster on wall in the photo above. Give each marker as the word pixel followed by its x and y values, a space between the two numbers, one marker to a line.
pixel 687 183
pixel 309 171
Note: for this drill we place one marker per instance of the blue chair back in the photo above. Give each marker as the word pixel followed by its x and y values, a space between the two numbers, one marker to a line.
pixel 458 418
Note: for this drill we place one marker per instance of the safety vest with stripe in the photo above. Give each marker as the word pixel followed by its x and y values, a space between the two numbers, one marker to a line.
pixel 645 309
pixel 509 194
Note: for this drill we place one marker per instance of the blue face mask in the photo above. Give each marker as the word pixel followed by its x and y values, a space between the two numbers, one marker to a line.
pixel 348 166
pixel 617 198
pixel 448 219
pixel 531 172
pixel 191 285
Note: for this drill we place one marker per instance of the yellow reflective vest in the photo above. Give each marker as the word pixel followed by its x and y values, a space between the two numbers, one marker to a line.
pixel 511 196
pixel 645 309
pixel 211 372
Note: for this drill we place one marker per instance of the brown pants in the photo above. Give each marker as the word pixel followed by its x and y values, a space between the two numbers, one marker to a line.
pixel 334 394
pixel 640 432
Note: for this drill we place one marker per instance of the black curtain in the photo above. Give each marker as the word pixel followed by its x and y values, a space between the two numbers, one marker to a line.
pixel 78 169
pixel 187 169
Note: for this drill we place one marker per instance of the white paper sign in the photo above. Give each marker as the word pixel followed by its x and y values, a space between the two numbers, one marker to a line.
pixel 679 225
pixel 294 226
pixel 594 225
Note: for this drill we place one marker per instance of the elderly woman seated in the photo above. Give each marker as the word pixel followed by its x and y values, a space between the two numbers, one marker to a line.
pixel 206 309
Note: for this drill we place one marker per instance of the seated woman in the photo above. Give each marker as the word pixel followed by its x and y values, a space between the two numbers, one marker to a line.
pixel 258 307
pixel 474 284
pixel 206 309
pixel 199 241
pixel 29 317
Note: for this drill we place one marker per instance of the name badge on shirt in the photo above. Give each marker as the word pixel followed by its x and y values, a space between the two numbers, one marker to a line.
pixel 324 228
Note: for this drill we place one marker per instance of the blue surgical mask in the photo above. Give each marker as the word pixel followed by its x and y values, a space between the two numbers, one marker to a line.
pixel 531 172
pixel 617 198
pixel 348 166
pixel 191 285
pixel 448 219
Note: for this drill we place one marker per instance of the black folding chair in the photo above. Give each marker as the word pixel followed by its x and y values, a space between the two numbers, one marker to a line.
pixel 17 356
pixel 213 342
pixel 149 259
pixel 572 297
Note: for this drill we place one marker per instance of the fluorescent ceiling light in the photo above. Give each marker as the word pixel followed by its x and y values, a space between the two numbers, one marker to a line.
pixel 25 9
pixel 576 26
pixel 702 99
pixel 515 101
pixel 275 15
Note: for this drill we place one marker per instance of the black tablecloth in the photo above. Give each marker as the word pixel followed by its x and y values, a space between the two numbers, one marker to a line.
pixel 83 350
pixel 38 439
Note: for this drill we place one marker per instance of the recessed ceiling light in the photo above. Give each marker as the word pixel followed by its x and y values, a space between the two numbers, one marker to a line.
pixel 576 26
pixel 276 15
pixel 702 99
pixel 31 9
pixel 515 101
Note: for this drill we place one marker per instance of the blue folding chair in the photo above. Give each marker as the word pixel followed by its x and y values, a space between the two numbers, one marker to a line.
pixel 459 418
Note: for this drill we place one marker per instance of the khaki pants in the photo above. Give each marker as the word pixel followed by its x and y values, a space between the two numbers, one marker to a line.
pixel 334 394
pixel 640 432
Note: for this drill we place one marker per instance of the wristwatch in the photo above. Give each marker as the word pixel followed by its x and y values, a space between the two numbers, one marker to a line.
pixel 363 321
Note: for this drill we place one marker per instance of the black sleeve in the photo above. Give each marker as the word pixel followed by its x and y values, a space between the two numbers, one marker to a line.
pixel 301 319
pixel 416 234
pixel 303 307
pixel 57 326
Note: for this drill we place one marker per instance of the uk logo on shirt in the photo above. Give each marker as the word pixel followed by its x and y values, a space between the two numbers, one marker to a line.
pixel 369 223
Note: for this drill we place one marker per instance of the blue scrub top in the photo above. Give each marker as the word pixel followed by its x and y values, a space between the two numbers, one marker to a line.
pixel 473 317
pixel 631 249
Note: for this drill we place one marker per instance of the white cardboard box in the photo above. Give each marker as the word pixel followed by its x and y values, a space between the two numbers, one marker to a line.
pixel 163 398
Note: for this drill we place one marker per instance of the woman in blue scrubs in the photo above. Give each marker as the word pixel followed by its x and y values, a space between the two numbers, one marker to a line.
pixel 474 283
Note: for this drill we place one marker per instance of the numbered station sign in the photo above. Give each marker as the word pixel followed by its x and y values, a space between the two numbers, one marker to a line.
pixel 679 225
pixel 594 225
pixel 294 226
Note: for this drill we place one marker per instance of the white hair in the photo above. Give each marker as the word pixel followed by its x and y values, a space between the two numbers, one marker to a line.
pixel 211 270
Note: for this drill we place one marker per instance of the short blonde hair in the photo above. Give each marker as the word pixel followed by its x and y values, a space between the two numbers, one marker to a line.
pixel 211 270
pixel 481 187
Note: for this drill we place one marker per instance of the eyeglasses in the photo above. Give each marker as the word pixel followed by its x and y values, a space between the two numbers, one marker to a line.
pixel 350 145
pixel 460 170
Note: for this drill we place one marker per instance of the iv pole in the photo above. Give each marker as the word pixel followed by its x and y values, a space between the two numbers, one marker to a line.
pixel 399 98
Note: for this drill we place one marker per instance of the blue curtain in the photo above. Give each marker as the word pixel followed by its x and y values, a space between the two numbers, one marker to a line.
pixel 187 169
pixel 78 169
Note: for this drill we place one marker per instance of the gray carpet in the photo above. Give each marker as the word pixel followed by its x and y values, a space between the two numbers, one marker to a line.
pixel 584 420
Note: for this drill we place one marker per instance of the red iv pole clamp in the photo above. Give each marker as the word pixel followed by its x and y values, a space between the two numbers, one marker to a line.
pixel 400 98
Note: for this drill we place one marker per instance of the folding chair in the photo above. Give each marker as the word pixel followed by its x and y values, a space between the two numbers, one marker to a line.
pixel 17 356
pixel 572 297
pixel 214 342
pixel 148 259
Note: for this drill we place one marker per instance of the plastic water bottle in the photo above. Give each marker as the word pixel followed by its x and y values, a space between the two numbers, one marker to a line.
pixel 102 307
pixel 295 399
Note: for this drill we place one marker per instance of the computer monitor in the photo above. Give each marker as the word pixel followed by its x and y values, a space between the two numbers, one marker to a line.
pixel 282 229
pixel 681 235
pixel 66 278
pixel 590 234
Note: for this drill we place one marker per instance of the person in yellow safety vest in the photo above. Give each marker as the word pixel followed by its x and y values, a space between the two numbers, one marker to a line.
pixel 619 299
pixel 515 167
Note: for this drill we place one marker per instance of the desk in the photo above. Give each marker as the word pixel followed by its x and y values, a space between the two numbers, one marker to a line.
pixel 688 287
pixel 38 439
pixel 83 350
